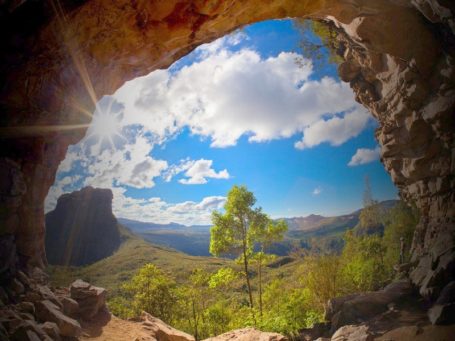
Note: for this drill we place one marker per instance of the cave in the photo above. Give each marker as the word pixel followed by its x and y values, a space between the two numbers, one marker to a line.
pixel 60 57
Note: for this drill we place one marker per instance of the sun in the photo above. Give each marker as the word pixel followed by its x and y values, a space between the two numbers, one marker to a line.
pixel 106 126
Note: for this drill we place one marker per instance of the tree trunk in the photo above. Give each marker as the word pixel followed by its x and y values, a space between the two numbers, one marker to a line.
pixel 245 263
pixel 260 286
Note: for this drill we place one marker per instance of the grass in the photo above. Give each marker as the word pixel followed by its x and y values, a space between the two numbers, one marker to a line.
pixel 133 253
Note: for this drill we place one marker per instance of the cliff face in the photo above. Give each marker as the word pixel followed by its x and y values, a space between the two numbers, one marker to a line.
pixel 82 229
pixel 56 61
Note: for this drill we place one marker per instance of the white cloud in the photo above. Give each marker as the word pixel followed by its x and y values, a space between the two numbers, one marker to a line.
pixel 230 94
pixel 317 191
pixel 363 156
pixel 130 166
pixel 158 211
pixel 200 170
pixel 335 130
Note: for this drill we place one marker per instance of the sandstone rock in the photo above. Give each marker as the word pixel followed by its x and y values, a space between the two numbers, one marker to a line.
pixel 352 333
pixel 334 305
pixel 91 299
pixel 51 329
pixel 248 334
pixel 362 307
pixel 84 219
pixel 16 287
pixel 46 294
pixel 47 311
pixel 443 311
pixel 162 331
pixel 39 276
pixel 27 330
pixel 22 277
pixel 24 335
pixel 70 306
pixel 26 307
pixel 348 71
pixel 318 330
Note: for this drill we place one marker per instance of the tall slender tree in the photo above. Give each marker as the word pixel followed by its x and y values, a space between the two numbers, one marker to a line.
pixel 236 230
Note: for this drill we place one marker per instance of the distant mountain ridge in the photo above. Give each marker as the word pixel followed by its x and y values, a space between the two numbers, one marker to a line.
pixel 195 239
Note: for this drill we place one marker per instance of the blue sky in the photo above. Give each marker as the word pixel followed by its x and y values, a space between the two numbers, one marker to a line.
pixel 241 110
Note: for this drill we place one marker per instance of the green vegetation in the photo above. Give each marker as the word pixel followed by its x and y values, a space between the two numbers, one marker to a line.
pixel 209 296
pixel 239 229
pixel 326 48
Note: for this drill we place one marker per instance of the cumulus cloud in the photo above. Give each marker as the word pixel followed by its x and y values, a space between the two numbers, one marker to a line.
pixel 363 156
pixel 200 170
pixel 159 211
pixel 230 94
pixel 335 130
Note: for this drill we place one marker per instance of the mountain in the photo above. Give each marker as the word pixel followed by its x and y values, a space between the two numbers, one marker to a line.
pixel 195 240
pixel 82 228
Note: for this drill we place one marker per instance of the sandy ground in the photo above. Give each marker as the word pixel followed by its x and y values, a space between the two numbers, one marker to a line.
pixel 115 329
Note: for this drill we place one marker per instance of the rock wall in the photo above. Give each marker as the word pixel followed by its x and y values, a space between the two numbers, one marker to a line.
pixel 82 228
pixel 58 58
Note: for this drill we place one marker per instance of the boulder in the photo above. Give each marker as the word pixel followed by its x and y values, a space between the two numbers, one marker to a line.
pixel 355 309
pixel 91 299
pixel 352 333
pixel 27 330
pixel 70 306
pixel 318 330
pixel 47 294
pixel 248 334
pixel 47 311
pixel 162 331
pixel 26 307
pixel 443 311
pixel 16 287
pixel 51 329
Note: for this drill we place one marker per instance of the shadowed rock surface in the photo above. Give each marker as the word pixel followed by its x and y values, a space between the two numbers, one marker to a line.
pixel 82 229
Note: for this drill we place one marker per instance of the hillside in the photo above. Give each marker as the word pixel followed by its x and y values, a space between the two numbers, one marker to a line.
pixel 133 253
pixel 195 240
pixel 82 228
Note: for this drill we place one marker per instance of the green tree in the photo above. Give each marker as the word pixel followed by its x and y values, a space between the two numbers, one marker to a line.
pixel 363 264
pixel 266 236
pixel 400 222
pixel 234 232
pixel 194 297
pixel 320 274
pixel 153 291
pixel 371 216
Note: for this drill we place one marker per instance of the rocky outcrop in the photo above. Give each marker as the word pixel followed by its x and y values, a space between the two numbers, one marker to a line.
pixel 90 300
pixel 355 309
pixel 57 61
pixel 82 229
pixel 248 334
pixel 161 331
pixel 39 313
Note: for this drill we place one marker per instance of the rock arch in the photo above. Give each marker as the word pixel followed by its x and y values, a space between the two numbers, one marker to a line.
pixel 59 57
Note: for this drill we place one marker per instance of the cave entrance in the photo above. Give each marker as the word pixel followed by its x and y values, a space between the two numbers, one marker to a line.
pixel 252 108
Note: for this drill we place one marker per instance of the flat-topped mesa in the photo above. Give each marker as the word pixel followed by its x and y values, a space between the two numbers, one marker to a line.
pixel 399 58
pixel 82 228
